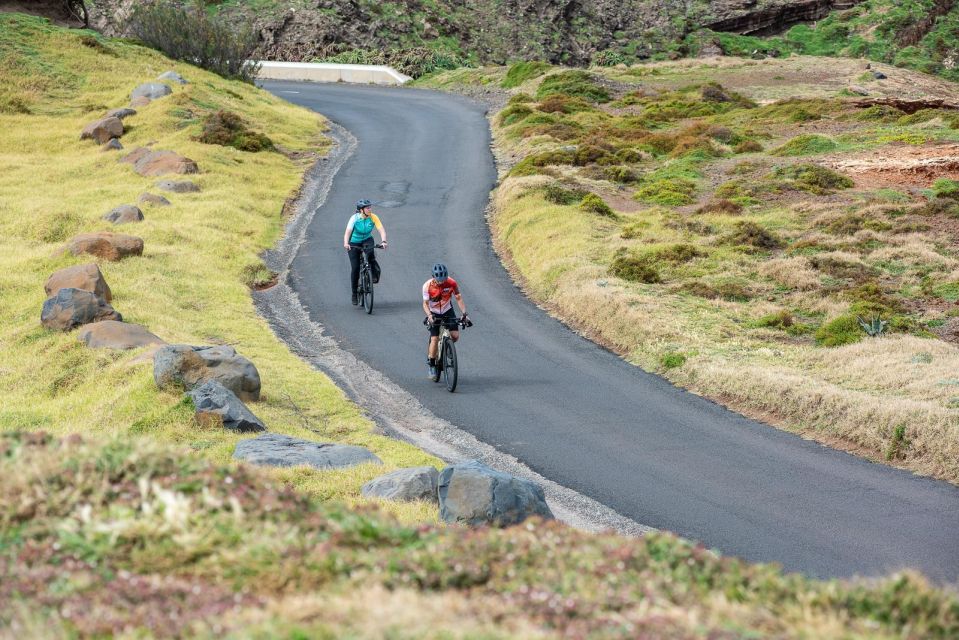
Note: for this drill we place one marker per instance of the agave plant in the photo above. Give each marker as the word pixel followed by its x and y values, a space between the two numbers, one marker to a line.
pixel 874 328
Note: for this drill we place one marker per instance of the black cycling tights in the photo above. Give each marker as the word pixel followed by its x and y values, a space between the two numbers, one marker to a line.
pixel 366 245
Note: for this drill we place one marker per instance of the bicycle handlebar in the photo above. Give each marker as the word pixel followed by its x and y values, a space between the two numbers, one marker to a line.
pixel 459 321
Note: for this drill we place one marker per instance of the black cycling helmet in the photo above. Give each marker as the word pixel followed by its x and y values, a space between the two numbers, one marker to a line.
pixel 439 272
pixel 362 204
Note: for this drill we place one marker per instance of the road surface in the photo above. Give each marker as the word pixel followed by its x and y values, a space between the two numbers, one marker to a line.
pixel 568 409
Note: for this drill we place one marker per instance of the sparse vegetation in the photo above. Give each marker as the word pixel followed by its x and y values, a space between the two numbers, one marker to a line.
pixel 592 203
pixel 228 129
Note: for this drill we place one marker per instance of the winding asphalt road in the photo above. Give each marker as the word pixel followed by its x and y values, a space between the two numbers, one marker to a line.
pixel 568 409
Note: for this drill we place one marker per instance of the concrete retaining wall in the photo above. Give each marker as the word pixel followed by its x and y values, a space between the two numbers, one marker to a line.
pixel 329 72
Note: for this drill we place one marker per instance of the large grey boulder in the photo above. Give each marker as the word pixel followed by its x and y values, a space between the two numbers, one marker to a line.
pixel 217 405
pixel 188 367
pixel 415 483
pixel 172 76
pixel 124 214
pixel 151 90
pixel 71 308
pixel 472 493
pixel 111 334
pixel 277 450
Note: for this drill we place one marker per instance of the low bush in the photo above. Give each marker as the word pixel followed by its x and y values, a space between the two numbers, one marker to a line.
pixel 190 34
pixel 531 164
pixel 556 193
pixel 721 206
pixel 574 83
pixel 748 146
pixel 781 320
pixel 668 191
pixel 520 72
pixel 672 360
pixel 842 269
pixel 227 129
pixel 946 188
pixel 623 175
pixel 562 103
pixel 842 330
pixel 751 234
pixel 635 268
pixel 804 145
pixel 730 290
pixel 592 203
pixel 938 207
pixel 813 178
pixel 514 113
pixel 609 58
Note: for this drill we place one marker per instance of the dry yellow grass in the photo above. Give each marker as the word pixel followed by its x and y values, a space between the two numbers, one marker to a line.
pixel 190 284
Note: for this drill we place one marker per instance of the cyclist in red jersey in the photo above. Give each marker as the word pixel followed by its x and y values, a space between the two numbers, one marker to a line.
pixel 438 294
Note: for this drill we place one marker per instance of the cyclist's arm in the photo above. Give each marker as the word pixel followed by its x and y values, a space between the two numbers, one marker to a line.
pixel 379 227
pixel 426 305
pixel 459 301
pixel 347 233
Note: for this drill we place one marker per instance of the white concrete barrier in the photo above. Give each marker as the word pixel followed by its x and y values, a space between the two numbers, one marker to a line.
pixel 331 72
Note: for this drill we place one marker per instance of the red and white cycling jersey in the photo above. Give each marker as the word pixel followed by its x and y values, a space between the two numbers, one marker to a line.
pixel 439 297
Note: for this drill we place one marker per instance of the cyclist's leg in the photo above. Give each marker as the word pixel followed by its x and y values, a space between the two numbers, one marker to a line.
pixel 354 267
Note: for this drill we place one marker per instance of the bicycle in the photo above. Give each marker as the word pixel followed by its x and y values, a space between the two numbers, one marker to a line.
pixel 447 364
pixel 364 288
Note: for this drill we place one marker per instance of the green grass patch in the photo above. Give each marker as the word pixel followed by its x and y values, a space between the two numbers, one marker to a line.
pixel 805 145
pixel 574 83
pixel 520 72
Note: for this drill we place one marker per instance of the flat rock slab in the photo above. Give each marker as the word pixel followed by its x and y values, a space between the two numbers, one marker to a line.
pixel 472 493
pixel 102 130
pixel 188 367
pixel 86 277
pixel 111 334
pixel 172 76
pixel 152 199
pixel 122 112
pixel 112 145
pixel 405 485
pixel 151 90
pixel 136 154
pixel 161 163
pixel 277 450
pixel 178 186
pixel 71 308
pixel 124 214
pixel 217 405
pixel 106 245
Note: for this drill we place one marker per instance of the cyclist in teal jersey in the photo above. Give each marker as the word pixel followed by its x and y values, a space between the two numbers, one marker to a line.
pixel 359 237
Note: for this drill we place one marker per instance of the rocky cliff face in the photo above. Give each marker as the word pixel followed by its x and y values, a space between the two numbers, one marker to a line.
pixel 765 18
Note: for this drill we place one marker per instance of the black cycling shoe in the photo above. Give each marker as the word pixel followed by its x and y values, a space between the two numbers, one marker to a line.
pixel 356 299
pixel 376 279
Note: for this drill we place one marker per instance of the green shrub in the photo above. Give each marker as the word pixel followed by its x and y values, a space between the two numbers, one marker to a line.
pixel 672 360
pixel 948 291
pixel 938 207
pixel 730 290
pixel 751 234
pixel 781 320
pixel 558 194
pixel 189 33
pixel 230 130
pixel 804 145
pixel 521 98
pixel 635 268
pixel 946 188
pixel 813 178
pixel 677 253
pixel 592 203
pixel 589 154
pixel 574 83
pixel 609 58
pixel 842 330
pixel 530 164
pixel 623 175
pixel 514 113
pixel 668 191
pixel 721 206
pixel 520 72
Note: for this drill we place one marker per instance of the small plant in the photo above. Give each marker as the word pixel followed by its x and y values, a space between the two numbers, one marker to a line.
pixel 813 178
pixel 520 72
pixel 874 327
pixel 804 145
pixel 635 268
pixel 230 130
pixel 556 193
pixel 897 443
pixel 946 188
pixel 672 360
pixel 514 113
pixel 721 206
pixel 751 234
pixel 592 203
pixel 667 191
pixel 573 83
pixel 840 331
pixel 747 146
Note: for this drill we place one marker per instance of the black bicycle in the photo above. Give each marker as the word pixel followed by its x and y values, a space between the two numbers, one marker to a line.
pixel 364 288
pixel 447 365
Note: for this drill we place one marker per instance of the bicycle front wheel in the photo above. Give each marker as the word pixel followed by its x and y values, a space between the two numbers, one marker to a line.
pixel 450 366
pixel 368 287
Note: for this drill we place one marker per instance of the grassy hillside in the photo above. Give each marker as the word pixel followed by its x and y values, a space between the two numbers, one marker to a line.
pixel 192 283
pixel 725 223
pixel 134 539
pixel 914 34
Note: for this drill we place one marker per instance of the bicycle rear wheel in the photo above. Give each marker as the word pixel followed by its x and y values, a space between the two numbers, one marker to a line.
pixel 450 366
pixel 368 288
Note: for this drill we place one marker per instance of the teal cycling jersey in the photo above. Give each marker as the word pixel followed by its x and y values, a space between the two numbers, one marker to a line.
pixel 363 227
